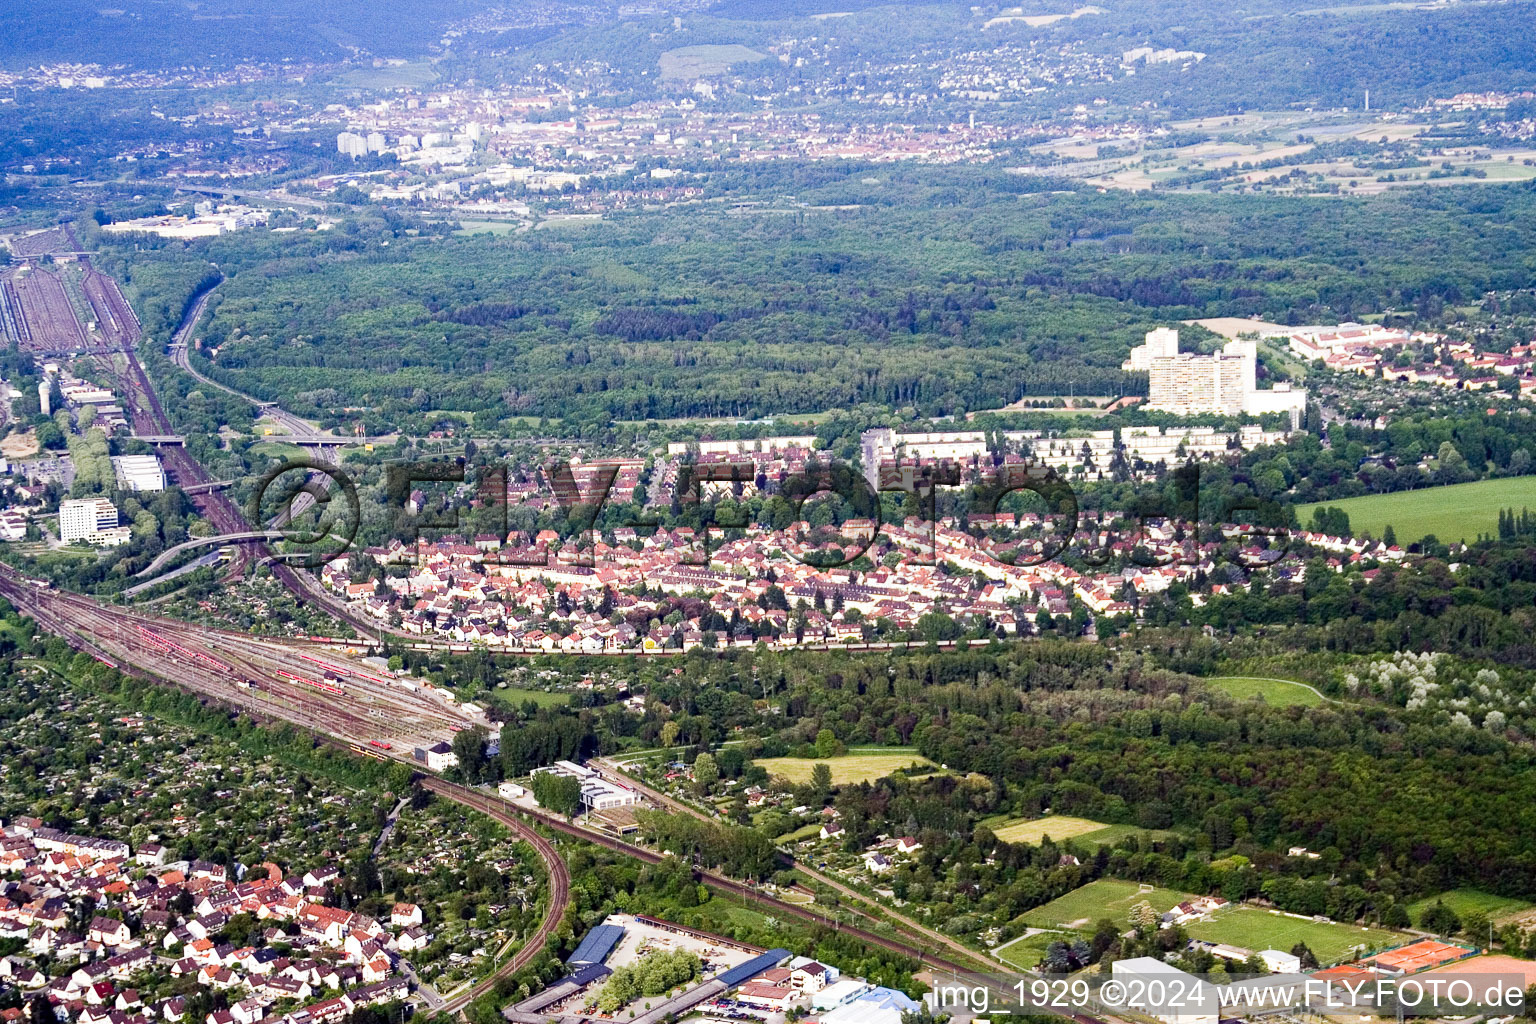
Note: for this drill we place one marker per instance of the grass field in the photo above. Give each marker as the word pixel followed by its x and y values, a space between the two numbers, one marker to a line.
pixel 399 76
pixel 1467 901
pixel 846 769
pixel 1106 897
pixel 1023 954
pixel 539 697
pixel 1457 512
pixel 1251 928
pixel 1058 827
pixel 490 227
pixel 1275 692
pixel 803 832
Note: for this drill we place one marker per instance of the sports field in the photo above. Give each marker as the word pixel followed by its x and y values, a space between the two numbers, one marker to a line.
pixel 1456 512
pixel 1467 901
pixel 849 768
pixel 1274 692
pixel 1251 928
pixel 1107 897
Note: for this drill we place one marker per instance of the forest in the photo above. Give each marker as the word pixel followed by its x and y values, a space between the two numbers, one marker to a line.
pixel 945 293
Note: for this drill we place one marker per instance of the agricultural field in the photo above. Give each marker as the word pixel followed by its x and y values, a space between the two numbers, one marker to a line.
pixel 849 768
pixel 1451 513
pixel 1251 928
pixel 1469 901
pixel 1274 692
pixel 1106 897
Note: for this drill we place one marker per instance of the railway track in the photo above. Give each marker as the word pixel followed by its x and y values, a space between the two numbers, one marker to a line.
pixel 288 680
pixel 613 770
pixel 554 865
pixel 51 322
pixel 716 879
pixel 108 634
pixel 115 318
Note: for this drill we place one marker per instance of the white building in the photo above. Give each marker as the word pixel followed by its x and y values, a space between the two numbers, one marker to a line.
pixel 1197 1001
pixel 351 144
pixel 1225 382
pixel 597 793
pixel 1162 343
pixel 93 520
pixel 1280 962
pixel 138 472
pixel 13 524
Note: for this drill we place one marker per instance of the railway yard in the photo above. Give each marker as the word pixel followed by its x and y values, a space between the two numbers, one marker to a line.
pixel 319 689
pixel 43 306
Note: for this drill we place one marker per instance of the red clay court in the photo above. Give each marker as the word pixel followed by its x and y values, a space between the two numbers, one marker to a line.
pixel 1418 956
pixel 1494 964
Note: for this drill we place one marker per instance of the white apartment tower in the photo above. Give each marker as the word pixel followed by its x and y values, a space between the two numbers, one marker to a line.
pixel 93 520
pixel 1225 382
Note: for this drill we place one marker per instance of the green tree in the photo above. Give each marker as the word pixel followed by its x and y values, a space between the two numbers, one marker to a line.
pixel 558 793
pixel 705 773
pixel 821 778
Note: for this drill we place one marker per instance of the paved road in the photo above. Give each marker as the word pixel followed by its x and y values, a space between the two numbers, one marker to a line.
pixel 430 996
pixel 211 558
pixel 389 826
pixel 169 553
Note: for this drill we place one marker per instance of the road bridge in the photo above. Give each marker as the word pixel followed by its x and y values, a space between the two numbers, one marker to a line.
pixel 207 488
pixel 201 542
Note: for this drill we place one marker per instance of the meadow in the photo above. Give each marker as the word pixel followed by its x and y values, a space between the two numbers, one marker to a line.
pixel 1468 901
pixel 1024 953
pixel 1274 692
pixel 540 697
pixel 1451 513
pixel 706 59
pixel 849 768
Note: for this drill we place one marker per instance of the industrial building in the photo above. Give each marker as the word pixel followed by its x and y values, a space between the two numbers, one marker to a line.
pixel 138 472
pixel 596 945
pixel 597 793
pixel 1198 1001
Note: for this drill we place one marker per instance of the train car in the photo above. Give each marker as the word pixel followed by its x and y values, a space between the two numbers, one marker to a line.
pixel 380 744
pixel 105 661
pixel 327 687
